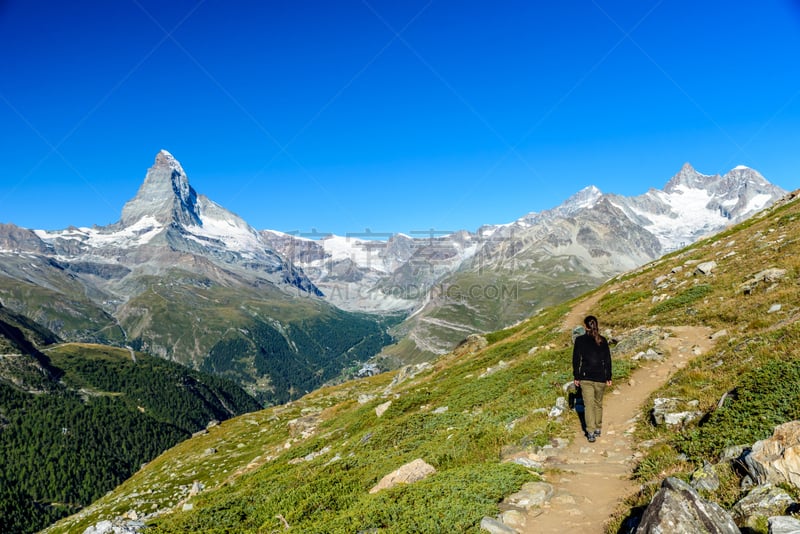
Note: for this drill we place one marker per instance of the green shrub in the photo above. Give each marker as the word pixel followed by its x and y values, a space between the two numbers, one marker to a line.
pixel 764 398
pixel 684 299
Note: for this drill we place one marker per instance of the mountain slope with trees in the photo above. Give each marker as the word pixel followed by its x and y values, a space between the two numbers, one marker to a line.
pixel 78 419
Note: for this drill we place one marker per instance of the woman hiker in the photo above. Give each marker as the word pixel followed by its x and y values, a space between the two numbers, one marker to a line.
pixel 591 369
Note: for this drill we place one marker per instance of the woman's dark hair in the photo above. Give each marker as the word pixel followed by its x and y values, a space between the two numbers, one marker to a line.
pixel 593 329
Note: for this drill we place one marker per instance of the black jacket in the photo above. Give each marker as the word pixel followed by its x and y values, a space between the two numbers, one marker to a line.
pixel 591 361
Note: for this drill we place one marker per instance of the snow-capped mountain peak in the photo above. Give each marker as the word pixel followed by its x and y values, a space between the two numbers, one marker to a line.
pixel 688 178
pixel 585 198
pixel 165 195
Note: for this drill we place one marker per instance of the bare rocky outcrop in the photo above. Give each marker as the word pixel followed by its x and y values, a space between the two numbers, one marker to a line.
pixel 776 460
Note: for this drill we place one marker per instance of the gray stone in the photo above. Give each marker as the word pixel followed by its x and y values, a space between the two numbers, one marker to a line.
pixel 514 519
pixel 678 508
pixel 527 462
pixel 103 527
pixel 115 527
pixel 650 355
pixel 784 524
pixel 734 452
pixel 530 495
pixel 705 268
pixel 197 487
pixel 768 275
pixel 673 412
pixel 718 334
pixel 559 408
pixel 496 527
pixel 761 503
pixel 705 478
pixel 492 370
pixel 474 343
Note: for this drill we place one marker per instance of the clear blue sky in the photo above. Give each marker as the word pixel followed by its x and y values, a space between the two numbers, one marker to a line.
pixel 397 116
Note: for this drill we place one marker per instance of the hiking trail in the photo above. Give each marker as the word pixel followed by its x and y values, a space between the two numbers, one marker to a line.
pixel 590 479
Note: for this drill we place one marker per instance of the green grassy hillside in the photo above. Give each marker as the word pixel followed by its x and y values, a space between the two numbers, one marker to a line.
pixel 310 464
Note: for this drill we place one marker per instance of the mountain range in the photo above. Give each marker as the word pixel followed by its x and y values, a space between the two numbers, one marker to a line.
pixel 181 277
pixel 454 285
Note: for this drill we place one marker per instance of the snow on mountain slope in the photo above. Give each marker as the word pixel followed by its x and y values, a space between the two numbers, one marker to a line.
pixel 686 218
pixel 137 234
pixel 693 204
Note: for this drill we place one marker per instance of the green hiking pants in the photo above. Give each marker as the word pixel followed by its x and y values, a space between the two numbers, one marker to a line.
pixel 593 404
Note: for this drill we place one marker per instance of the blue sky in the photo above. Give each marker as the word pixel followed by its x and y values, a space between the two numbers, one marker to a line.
pixel 400 116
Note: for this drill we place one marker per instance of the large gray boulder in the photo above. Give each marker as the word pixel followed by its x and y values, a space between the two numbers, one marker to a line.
pixel 678 509
pixel 784 524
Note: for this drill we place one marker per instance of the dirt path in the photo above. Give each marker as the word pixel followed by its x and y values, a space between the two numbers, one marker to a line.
pixel 589 479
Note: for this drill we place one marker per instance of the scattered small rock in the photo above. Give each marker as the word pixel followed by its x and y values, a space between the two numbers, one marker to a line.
pixel 407 474
pixel 496 527
pixel 492 370
pixel 530 495
pixel 381 408
pixel 705 268
pixel 667 411
pixel 705 478
pixel 559 408
pixel 761 503
pixel 514 519
pixel 364 398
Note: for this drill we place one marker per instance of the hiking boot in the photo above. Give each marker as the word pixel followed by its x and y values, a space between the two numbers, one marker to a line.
pixel 596 433
pixel 590 437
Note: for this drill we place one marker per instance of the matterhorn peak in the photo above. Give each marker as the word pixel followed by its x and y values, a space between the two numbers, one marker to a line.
pixel 165 159
pixel 165 195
